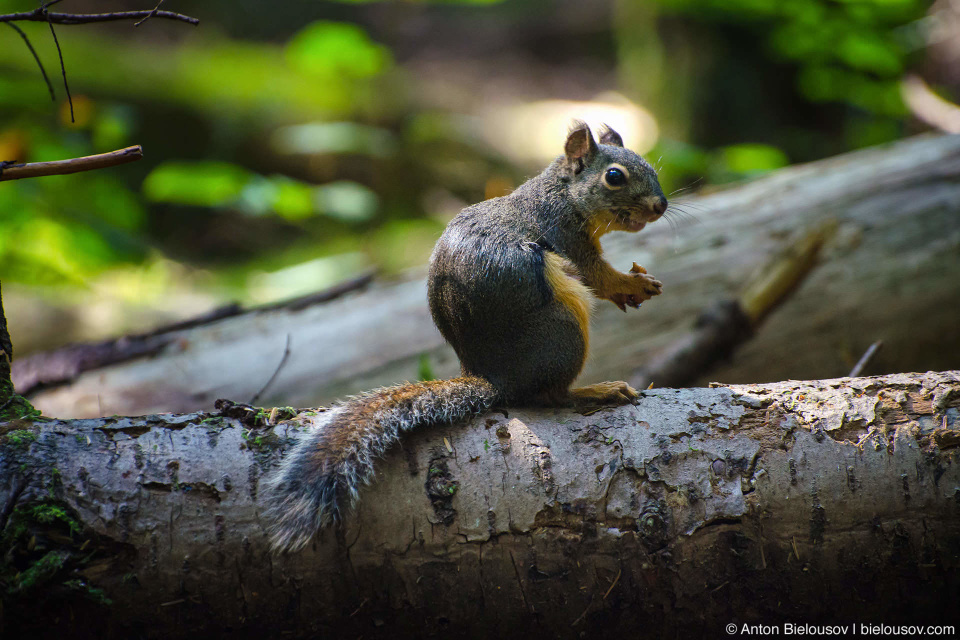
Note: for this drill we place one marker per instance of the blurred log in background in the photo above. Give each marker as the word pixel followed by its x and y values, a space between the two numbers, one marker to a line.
pixel 870 239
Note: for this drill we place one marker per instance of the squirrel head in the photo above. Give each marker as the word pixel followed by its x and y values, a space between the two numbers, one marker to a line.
pixel 612 186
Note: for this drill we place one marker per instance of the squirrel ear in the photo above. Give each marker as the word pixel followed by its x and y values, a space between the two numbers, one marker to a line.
pixel 609 136
pixel 580 147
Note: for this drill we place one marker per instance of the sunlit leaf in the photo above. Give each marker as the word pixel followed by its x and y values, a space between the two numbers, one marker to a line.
pixel 293 200
pixel 205 184
pixel 336 46
pixel 869 52
pixel 752 159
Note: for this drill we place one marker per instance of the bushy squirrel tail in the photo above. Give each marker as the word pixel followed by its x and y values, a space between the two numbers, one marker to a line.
pixel 321 476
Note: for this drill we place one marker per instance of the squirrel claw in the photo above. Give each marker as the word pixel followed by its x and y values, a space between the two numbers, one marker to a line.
pixel 624 300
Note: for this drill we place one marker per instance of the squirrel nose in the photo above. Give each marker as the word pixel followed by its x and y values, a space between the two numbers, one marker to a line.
pixel 660 206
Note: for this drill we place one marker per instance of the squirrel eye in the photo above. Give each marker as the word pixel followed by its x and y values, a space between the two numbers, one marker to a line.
pixel 614 177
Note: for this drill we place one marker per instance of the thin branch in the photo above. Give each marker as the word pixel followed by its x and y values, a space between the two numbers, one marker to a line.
pixel 63 365
pixel 63 69
pixel 73 165
pixel 42 14
pixel 46 78
pixel 865 358
pixel 152 13
pixel 85 18
pixel 283 361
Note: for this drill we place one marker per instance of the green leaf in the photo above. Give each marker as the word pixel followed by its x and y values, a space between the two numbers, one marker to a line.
pixel 869 52
pixel 339 47
pixel 204 184
pixel 293 200
pixel 751 159
pixel 424 370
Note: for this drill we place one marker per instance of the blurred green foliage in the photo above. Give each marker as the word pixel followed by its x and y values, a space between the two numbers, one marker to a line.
pixel 222 184
pixel 321 71
pixel 65 230
pixel 850 51
pixel 344 49
pixel 203 184
pixel 847 55
pixel 280 164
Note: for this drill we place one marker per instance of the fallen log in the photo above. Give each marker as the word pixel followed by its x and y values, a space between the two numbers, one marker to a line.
pixel 820 502
pixel 884 269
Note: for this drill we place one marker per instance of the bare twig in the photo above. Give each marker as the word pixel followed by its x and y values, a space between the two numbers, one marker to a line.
pixel 582 615
pixel 152 13
pixel 35 57
pixel 37 15
pixel 357 610
pixel 61 366
pixel 613 584
pixel 42 14
pixel 73 165
pixel 865 358
pixel 283 361
pixel 63 69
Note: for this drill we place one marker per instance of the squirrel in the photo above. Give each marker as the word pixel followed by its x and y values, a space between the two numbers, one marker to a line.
pixel 511 286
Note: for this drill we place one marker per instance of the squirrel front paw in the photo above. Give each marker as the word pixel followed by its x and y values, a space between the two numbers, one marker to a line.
pixel 640 286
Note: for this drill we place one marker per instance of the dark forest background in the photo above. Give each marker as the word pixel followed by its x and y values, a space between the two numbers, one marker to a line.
pixel 291 145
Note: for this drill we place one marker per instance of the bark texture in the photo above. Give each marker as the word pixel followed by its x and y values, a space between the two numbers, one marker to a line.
pixel 887 270
pixel 829 501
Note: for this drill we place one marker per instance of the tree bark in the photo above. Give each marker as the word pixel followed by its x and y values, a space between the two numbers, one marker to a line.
pixel 886 270
pixel 831 501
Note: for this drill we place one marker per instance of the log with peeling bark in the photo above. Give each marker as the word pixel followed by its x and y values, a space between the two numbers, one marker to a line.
pixel 885 268
pixel 832 501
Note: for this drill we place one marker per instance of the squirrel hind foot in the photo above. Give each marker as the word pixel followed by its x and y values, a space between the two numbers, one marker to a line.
pixel 615 393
